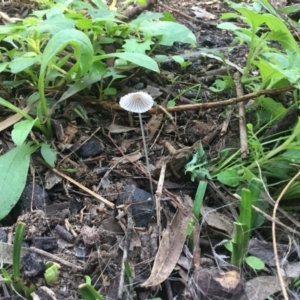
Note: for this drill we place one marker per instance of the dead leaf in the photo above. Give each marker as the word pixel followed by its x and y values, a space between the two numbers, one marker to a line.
pixel 7 18
pixel 170 248
pixel 262 287
pixel 114 128
pixel 202 13
pixel 132 157
pixel 264 251
pixel 51 179
pixel 212 284
pixel 14 118
pixel 217 221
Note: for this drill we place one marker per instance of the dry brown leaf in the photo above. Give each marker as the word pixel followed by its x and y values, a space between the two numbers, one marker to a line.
pixel 217 221
pixel 132 157
pixel 14 118
pixel 262 287
pixel 170 248
pixel 7 18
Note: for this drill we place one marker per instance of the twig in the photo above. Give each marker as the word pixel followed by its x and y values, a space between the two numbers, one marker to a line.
pixel 201 106
pixel 127 241
pixel 226 122
pixel 54 257
pixel 242 118
pixel 179 12
pixel 284 292
pixel 158 193
pixel 82 187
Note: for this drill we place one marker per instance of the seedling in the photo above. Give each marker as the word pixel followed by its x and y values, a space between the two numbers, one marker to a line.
pixel 87 291
pixel 14 281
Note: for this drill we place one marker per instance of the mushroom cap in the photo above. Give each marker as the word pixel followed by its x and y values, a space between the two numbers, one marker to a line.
pixel 138 102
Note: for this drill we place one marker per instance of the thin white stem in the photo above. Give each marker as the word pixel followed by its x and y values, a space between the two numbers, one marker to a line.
pixel 146 155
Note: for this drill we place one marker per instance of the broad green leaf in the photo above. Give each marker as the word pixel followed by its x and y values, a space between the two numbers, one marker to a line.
pixel 256 187
pixel 133 45
pixel 21 130
pixel 171 103
pixel 110 91
pixel 54 25
pixel 228 246
pixel 228 26
pixel 3 66
pixel 83 50
pixel 21 63
pixel 219 86
pixel 48 154
pixel 292 155
pixel 179 59
pixel 197 166
pixel 229 177
pixel 140 60
pixel 144 16
pixel 255 263
pixel 169 32
pixel 84 24
pixel 14 168
pixel 272 106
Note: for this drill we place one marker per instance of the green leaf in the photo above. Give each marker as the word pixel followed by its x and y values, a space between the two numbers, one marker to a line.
pixel 228 246
pixel 199 197
pixel 54 25
pixel 89 293
pixel 220 86
pixel 21 131
pixel 272 106
pixel 245 217
pixel 14 168
pixel 21 63
pixel 255 263
pixel 256 187
pixel 228 26
pixel 48 154
pixel 169 32
pixel 133 45
pixel 139 59
pixel 110 91
pixel 171 103
pixel 179 59
pixel 82 45
pixel 229 177
pixel 292 155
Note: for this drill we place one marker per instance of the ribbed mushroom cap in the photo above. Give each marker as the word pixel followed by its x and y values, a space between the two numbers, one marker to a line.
pixel 138 102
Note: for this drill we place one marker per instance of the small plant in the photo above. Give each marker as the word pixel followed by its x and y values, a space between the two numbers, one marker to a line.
pixel 239 244
pixel 14 281
pixel 197 168
pixel 87 291
pixel 52 273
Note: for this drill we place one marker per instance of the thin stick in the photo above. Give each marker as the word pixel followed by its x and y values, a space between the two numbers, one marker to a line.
pixel 102 199
pixel 283 289
pixel 200 106
pixel 158 193
pixel 242 118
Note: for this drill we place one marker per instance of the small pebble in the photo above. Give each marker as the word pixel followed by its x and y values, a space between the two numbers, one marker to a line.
pixel 90 149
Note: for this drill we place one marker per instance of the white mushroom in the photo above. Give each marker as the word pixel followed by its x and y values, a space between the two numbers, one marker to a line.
pixel 139 102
